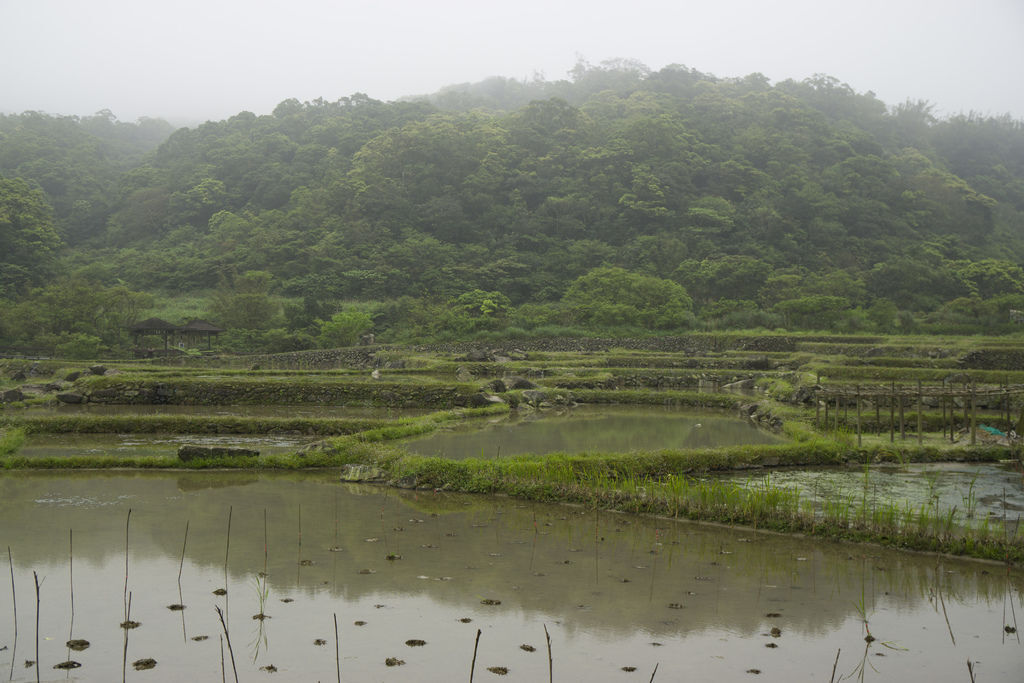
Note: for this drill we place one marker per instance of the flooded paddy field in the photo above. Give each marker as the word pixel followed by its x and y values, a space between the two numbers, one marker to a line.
pixel 974 490
pixel 593 428
pixel 152 445
pixel 256 410
pixel 411 576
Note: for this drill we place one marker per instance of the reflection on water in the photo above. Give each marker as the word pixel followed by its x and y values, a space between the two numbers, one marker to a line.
pixel 146 445
pixel 613 590
pixel 593 428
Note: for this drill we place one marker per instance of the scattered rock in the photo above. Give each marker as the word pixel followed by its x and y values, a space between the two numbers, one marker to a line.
pixel 519 383
pixel 320 642
pixel 629 668
pixel 143 664
pixel 394 661
pixel 130 624
pixel 269 668
pixel 200 639
pixel 489 601
pixel 359 623
pixel 527 648
pixel 415 642
pixel 534 397
pixel 220 591
pixel 175 607
pixel 77 644
pixel 67 665
pixel 499 670
pixel 776 631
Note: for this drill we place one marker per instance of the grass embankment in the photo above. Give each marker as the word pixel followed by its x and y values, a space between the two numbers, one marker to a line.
pixel 188 424
pixel 661 482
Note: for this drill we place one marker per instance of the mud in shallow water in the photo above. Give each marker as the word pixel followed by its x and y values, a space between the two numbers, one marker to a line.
pixel 618 594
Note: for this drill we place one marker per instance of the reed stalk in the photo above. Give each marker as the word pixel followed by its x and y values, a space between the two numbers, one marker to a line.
pixel 224 626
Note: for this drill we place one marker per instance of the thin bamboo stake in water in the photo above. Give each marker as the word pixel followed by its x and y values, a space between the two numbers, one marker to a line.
pixel 127 523
pixel 472 665
pixel 14 598
pixel 551 661
pixel 227 637
pixel 35 577
pixel 834 665
pixel 14 602
pixel 337 648
pixel 222 672
pixel 655 671
pixel 181 565
pixel 71 572
pixel 127 627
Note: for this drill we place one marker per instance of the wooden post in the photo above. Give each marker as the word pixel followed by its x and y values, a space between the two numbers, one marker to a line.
pixel 858 416
pixel 892 413
pixel 903 424
pixel 920 434
pixel 942 404
pixel 974 419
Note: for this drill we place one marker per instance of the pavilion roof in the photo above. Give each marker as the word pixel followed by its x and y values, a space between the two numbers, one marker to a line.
pixel 200 326
pixel 153 325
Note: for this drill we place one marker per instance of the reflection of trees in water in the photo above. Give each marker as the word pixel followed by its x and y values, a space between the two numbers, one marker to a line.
pixel 623 575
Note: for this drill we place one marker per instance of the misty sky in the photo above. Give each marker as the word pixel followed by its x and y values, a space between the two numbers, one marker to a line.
pixel 189 60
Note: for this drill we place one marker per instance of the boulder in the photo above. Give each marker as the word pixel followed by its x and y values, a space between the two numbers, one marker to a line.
pixel 12 395
pixel 97 369
pixel 534 397
pixel 362 473
pixel 741 385
pixel 519 383
pixel 481 399
pixel 479 356
pixel 70 397
pixel 462 374
pixel 497 386
pixel 72 376
pixel 19 376
pixel 187 453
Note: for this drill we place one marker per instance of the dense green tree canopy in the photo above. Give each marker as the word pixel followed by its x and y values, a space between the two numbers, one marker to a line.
pixel 605 200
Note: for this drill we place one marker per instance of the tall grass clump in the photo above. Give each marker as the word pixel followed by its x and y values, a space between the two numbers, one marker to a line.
pixel 11 440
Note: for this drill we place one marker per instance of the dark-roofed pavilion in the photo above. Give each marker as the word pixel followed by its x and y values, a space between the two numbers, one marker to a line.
pixel 194 330
pixel 153 327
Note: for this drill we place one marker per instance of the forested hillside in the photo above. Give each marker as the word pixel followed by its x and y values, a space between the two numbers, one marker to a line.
pixel 620 200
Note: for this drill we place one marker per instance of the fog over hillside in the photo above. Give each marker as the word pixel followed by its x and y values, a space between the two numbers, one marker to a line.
pixel 196 60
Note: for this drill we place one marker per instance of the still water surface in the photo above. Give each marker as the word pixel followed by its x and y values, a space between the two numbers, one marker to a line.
pixel 593 428
pixel 613 590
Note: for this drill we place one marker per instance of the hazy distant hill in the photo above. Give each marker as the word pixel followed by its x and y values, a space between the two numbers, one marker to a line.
pixel 755 198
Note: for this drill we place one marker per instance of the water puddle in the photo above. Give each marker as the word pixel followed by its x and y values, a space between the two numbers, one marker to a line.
pixel 593 428
pixel 409 577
